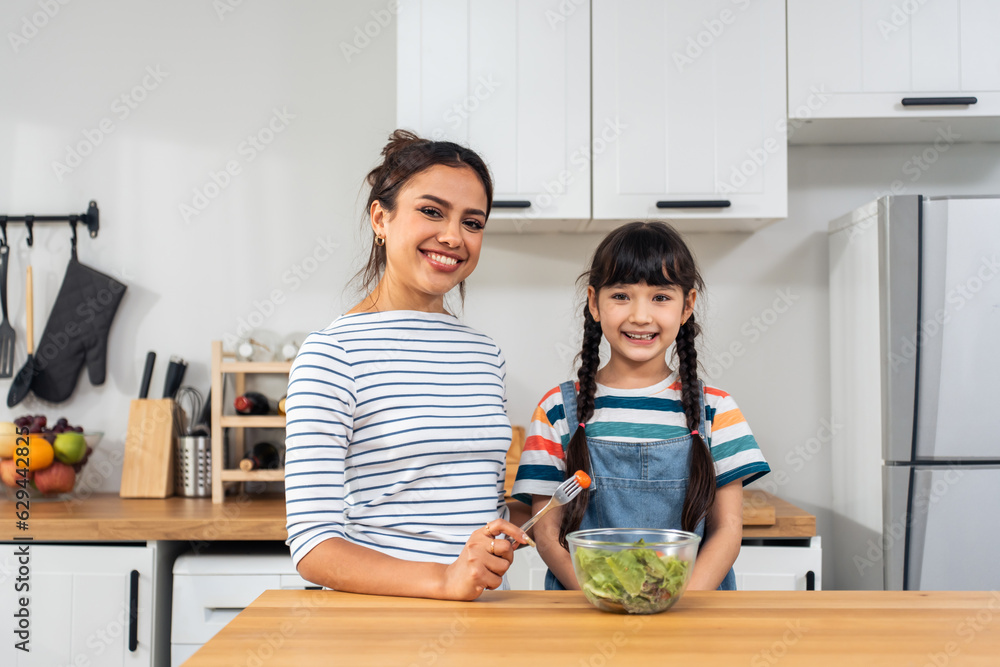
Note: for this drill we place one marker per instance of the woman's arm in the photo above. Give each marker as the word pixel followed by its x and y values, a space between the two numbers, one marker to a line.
pixel 723 534
pixel 345 566
pixel 546 533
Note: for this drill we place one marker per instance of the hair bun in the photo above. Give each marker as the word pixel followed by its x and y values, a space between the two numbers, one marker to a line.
pixel 400 141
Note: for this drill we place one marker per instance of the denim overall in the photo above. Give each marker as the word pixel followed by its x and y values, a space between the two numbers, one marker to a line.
pixel 636 485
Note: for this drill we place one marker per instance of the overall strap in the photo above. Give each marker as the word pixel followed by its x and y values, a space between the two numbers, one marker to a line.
pixel 568 390
pixel 704 426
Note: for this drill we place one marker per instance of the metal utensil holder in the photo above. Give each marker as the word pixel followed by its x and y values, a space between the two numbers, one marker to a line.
pixel 194 466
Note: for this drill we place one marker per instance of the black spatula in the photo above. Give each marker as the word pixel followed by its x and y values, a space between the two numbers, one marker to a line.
pixel 7 335
pixel 22 383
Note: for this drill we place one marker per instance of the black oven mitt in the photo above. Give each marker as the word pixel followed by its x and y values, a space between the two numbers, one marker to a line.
pixel 77 331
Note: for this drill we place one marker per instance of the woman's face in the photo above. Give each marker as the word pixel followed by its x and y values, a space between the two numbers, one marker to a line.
pixel 433 238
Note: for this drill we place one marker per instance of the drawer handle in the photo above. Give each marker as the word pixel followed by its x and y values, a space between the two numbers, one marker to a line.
pixel 133 611
pixel 511 203
pixel 938 101
pixel 699 203
pixel 810 580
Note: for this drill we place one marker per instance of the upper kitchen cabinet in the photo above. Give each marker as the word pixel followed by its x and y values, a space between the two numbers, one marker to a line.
pixel 512 81
pixel 877 71
pixel 689 113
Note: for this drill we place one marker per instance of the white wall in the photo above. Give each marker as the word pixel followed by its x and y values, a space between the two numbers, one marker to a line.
pixel 193 282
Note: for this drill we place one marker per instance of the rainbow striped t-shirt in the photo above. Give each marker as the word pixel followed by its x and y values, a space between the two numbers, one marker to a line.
pixel 637 415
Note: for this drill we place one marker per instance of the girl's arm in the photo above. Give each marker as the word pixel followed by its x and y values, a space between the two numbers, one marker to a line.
pixel 546 533
pixel 723 534
pixel 352 568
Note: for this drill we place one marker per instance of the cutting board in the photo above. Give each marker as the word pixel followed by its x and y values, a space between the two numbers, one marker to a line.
pixel 148 467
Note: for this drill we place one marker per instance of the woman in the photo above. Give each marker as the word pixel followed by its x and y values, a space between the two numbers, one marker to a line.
pixel 396 430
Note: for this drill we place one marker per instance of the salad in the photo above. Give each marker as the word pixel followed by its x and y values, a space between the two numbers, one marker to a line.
pixel 635 580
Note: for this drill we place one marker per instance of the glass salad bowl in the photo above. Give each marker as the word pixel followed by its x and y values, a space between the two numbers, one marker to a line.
pixel 633 570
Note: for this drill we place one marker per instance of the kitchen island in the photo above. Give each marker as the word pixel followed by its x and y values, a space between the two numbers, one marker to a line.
pixel 815 628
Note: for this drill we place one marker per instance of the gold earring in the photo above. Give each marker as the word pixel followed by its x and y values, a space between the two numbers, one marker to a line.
pixel 380 241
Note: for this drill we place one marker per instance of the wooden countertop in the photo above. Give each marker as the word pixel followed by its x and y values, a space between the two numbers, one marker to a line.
pixel 814 628
pixel 108 518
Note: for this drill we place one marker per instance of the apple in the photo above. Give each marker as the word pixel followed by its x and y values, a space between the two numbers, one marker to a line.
pixel 57 478
pixel 70 447
pixel 9 474
pixel 8 439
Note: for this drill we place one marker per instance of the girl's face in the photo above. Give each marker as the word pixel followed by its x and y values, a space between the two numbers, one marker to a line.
pixel 640 322
pixel 433 238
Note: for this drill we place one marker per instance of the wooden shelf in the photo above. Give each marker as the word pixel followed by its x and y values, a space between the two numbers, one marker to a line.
pixel 253 475
pixel 253 421
pixel 223 365
pixel 279 367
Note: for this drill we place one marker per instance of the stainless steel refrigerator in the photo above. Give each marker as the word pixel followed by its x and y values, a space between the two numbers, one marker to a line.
pixel 915 368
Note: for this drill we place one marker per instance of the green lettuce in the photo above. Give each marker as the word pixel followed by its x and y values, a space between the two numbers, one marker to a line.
pixel 635 580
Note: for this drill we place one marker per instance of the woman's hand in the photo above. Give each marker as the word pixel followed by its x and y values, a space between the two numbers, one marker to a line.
pixel 483 561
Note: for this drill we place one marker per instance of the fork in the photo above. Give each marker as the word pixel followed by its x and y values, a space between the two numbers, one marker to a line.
pixel 7 335
pixel 565 492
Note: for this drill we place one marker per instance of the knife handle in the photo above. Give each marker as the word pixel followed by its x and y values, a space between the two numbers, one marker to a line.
pixel 147 375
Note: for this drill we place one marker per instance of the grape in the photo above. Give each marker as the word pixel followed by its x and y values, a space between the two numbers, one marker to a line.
pixel 21 422
pixel 78 429
pixel 62 422
pixel 41 421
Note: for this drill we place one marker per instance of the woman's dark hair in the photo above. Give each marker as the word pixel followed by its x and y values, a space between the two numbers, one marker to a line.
pixel 405 156
pixel 654 253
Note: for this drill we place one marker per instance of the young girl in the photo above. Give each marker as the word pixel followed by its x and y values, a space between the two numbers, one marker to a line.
pixel 663 450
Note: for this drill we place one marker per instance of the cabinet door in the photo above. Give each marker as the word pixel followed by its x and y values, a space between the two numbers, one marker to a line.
pixel 780 568
pixel 512 81
pixel 689 110
pixel 860 58
pixel 80 605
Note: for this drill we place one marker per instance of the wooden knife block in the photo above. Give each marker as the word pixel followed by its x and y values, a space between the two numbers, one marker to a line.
pixel 148 467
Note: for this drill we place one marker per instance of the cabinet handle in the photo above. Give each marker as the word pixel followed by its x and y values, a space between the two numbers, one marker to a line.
pixel 938 101
pixel 511 203
pixel 810 580
pixel 699 203
pixel 133 612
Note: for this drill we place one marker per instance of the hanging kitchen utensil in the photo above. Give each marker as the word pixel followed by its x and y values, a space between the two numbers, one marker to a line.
pixel 77 331
pixel 7 335
pixel 22 383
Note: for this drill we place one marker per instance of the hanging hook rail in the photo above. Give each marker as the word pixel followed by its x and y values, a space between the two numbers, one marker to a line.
pixel 91 218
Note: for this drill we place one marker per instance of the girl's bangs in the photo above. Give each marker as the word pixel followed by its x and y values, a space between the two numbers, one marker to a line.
pixel 641 257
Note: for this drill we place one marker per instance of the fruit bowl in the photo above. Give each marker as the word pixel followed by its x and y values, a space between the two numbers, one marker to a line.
pixel 57 464
pixel 633 570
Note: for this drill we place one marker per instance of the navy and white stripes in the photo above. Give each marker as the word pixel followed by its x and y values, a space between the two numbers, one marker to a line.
pixel 396 435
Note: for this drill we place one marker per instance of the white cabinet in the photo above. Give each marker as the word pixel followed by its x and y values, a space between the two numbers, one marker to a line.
pixel 856 61
pixel 512 81
pixel 87 605
pixel 780 565
pixel 689 113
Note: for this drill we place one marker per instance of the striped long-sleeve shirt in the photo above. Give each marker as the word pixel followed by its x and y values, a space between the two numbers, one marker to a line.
pixel 396 435
pixel 636 415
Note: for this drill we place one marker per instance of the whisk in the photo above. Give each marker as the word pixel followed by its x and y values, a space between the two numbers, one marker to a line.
pixel 184 421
